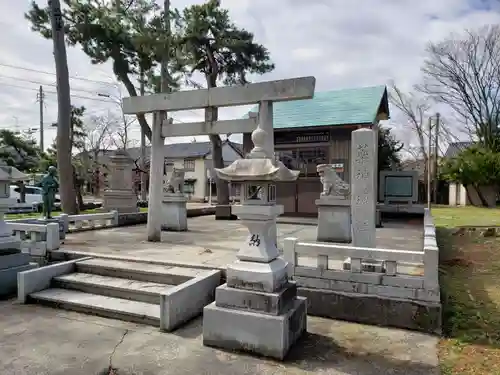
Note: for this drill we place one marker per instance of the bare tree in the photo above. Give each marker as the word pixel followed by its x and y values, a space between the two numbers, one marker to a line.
pixel 463 72
pixel 120 135
pixel 98 139
pixel 416 112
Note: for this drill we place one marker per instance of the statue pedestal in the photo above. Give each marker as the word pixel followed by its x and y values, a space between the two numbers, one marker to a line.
pixel 174 212
pixel 123 201
pixel 334 219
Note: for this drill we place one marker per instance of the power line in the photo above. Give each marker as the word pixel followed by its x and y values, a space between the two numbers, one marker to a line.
pixel 43 83
pixel 53 74
pixel 53 92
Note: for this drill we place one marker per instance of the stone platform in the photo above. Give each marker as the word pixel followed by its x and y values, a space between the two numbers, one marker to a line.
pixel 214 243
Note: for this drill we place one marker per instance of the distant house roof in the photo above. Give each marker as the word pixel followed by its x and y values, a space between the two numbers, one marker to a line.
pixel 455 148
pixel 340 107
pixel 187 150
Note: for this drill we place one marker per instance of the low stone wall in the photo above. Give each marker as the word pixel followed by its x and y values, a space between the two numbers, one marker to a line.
pixel 36 239
pixel 389 297
pixel 85 222
pixel 137 218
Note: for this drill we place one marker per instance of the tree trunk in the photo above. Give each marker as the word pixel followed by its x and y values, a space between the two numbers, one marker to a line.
pixel 22 192
pixel 67 188
pixel 222 210
pixel 78 188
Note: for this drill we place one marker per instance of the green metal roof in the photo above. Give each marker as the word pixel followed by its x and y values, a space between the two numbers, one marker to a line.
pixel 339 107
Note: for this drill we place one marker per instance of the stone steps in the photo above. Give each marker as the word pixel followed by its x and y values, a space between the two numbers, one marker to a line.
pixel 95 304
pixel 137 271
pixel 134 290
pixel 119 289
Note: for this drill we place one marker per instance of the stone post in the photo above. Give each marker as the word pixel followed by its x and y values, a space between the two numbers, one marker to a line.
pixel 363 193
pixel 174 202
pixel 257 310
pixel 334 207
pixel 120 195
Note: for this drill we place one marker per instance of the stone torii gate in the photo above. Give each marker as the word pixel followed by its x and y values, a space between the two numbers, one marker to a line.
pixel 263 93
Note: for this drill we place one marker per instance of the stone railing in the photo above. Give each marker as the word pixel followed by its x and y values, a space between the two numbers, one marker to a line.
pixel 36 239
pixel 83 222
pixel 411 275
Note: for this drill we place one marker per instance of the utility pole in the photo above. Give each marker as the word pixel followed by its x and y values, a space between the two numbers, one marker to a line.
pixel 429 164
pixel 156 164
pixel 40 101
pixel 67 189
pixel 436 162
pixel 144 179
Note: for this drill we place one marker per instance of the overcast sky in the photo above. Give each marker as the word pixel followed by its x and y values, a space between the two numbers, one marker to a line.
pixel 343 43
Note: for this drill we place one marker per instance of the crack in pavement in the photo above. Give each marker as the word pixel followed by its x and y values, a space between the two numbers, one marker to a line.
pixel 111 369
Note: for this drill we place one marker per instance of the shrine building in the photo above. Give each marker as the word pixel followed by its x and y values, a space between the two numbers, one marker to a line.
pixel 318 131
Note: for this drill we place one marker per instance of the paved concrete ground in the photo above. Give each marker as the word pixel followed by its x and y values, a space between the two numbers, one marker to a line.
pixel 37 340
pixel 214 242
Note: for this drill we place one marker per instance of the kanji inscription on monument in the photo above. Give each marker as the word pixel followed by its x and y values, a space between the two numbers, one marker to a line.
pixel 363 154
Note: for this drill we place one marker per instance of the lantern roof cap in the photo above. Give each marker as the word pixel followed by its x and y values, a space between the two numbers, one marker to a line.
pixel 8 173
pixel 264 169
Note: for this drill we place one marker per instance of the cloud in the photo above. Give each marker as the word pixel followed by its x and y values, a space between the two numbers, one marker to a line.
pixel 342 43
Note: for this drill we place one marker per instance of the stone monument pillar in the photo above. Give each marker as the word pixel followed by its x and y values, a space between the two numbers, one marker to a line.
pixel 334 207
pixel 257 310
pixel 174 212
pixel 120 195
pixel 363 194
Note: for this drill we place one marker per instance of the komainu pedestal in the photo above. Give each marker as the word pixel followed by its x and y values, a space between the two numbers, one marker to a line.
pixel 334 207
pixel 258 309
pixel 174 203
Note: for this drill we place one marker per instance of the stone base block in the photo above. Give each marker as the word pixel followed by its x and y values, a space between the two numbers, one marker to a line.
pixel 366 265
pixel 262 334
pixel 123 201
pixel 334 221
pixel 174 215
pixel 267 303
pixel 223 212
pixel 263 277
pixel 369 309
pixel 14 259
pixel 8 278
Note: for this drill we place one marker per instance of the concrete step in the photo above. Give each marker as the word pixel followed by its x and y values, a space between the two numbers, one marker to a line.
pixel 134 290
pixel 108 307
pixel 137 271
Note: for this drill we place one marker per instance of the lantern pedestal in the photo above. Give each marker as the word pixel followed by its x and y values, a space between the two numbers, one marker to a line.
pixel 258 309
pixel 12 260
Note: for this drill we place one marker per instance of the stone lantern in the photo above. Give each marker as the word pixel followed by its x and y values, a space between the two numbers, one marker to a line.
pixel 12 260
pixel 7 175
pixel 257 310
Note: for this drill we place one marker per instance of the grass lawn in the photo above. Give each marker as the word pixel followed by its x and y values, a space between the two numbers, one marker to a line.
pixel 470 287
pixel 470 284
pixel 452 217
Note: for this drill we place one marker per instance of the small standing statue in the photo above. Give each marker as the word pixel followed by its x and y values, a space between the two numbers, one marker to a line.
pixel 49 185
